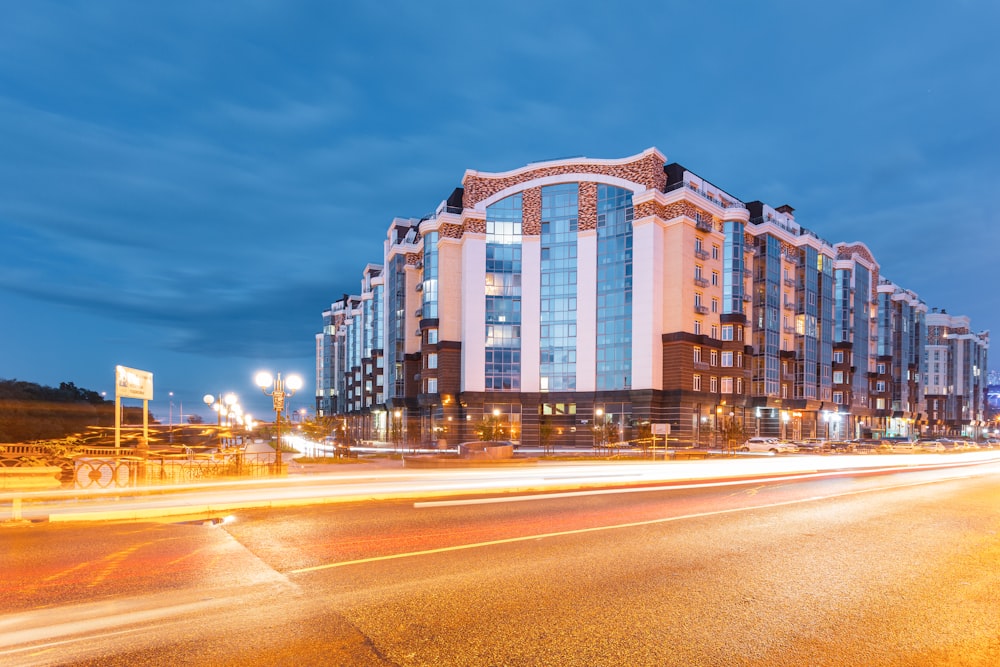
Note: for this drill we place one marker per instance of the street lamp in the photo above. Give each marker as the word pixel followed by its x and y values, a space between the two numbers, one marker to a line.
pixel 396 428
pixel 279 389
pixel 220 404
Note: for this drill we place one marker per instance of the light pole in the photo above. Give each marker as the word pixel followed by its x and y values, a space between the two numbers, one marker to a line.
pixel 220 404
pixel 279 389
pixel 397 427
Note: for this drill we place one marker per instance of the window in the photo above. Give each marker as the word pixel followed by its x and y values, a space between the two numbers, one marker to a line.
pixel 784 391
pixel 715 277
pixel 432 336
pixel 739 333
pixel 715 252
pixel 432 385
pixel 880 404
pixel 838 377
pixel 838 357
pixel 727 359
pixel 697 355
pixel 727 385
pixel 881 369
pixel 714 384
pixel 739 360
pixel 697 327
pixel 739 385
pixel 697 272
pixel 715 331
pixel 715 305
pixel 880 386
pixel 432 360
pixel 727 332
pixel 697 299
pixel 838 397
pixel 713 357
pixel 696 382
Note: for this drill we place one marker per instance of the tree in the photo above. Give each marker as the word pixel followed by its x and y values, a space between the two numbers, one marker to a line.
pixel 195 419
pixel 732 432
pixel 490 429
pixel 546 434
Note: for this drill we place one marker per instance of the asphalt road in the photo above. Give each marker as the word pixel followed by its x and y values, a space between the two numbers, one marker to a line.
pixel 874 569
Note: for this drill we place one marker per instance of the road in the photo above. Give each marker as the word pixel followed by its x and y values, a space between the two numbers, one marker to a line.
pixel 887 568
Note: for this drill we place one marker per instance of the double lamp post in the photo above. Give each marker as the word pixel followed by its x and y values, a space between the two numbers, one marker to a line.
pixel 278 390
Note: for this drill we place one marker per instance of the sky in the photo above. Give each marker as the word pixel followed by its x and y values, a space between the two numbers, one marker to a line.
pixel 185 186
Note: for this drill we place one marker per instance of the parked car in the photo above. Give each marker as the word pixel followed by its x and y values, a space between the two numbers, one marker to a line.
pixel 811 444
pixel 772 445
pixel 929 446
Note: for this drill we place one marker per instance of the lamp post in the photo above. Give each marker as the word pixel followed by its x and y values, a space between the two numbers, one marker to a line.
pixel 279 389
pixel 396 428
pixel 220 404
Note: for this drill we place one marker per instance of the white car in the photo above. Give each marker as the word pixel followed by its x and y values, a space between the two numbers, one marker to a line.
pixel 772 445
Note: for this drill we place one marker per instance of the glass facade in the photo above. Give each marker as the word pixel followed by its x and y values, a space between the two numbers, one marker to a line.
pixel 395 335
pixel 614 288
pixel 557 307
pixel 429 304
pixel 767 306
pixel 503 295
pixel 732 268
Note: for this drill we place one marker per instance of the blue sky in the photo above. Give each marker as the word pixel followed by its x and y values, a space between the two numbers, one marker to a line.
pixel 185 186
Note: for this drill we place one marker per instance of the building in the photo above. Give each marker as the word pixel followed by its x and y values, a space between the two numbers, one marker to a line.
pixel 955 383
pixel 588 300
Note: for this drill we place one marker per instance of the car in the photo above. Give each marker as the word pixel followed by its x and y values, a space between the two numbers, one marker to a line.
pixel 929 446
pixel 812 444
pixel 772 445
pixel 904 446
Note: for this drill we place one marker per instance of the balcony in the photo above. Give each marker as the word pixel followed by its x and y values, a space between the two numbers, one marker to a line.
pixel 706 195
pixel 788 305
pixel 790 282
pixel 700 282
pixel 700 309
pixel 703 225
pixel 700 253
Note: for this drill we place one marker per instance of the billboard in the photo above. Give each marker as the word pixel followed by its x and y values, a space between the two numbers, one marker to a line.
pixel 132 383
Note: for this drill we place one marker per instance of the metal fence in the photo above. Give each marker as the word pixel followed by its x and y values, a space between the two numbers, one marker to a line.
pixel 110 468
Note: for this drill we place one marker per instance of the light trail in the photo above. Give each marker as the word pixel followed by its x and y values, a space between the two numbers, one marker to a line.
pixel 618 526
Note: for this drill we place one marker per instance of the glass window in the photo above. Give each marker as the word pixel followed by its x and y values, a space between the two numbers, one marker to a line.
pixel 432 385
pixel 432 360
pixel 713 357
pixel 503 295
pixel 714 384
pixel 697 355
pixel 696 382
pixel 727 385
pixel 557 304
pixel 727 332
pixel 614 287
pixel 727 359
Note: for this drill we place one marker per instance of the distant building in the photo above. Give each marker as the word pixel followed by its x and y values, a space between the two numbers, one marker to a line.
pixel 600 297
